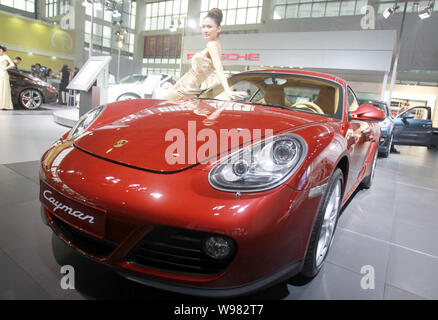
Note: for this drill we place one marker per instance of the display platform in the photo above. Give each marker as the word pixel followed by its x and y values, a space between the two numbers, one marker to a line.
pixel 66 118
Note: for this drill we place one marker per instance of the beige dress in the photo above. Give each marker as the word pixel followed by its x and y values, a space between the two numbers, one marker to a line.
pixel 190 84
pixel 5 88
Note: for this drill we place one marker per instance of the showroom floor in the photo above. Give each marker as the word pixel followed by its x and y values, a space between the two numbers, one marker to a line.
pixel 391 229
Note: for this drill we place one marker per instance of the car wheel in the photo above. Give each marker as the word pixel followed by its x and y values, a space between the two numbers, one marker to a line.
pixel 388 148
pixel 368 180
pixel 325 226
pixel 31 99
pixel 128 96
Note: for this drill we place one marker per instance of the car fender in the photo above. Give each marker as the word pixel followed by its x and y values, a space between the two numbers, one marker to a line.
pixel 326 148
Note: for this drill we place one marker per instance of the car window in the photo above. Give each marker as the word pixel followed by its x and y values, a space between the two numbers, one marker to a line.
pixel 298 92
pixel 419 113
pixel 254 92
pixel 352 101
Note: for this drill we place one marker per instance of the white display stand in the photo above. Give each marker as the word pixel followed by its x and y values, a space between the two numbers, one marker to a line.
pixel 95 70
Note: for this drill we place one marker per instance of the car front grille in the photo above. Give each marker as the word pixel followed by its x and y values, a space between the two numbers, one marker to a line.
pixel 93 245
pixel 177 250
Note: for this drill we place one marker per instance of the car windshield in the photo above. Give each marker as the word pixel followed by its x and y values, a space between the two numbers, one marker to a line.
pixel 133 78
pixel 289 91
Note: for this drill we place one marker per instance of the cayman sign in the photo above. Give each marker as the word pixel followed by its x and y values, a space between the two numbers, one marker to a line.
pixel 63 207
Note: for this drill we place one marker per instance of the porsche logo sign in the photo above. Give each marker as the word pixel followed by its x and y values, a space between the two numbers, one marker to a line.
pixel 120 143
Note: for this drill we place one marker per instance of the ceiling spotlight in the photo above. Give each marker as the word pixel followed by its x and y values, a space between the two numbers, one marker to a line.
pixel 390 11
pixel 427 12
pixel 173 26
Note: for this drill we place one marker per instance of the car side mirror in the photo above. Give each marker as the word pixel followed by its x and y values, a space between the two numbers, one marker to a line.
pixel 408 115
pixel 366 112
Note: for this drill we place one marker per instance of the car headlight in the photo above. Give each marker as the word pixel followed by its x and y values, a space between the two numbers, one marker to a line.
pixel 85 122
pixel 261 166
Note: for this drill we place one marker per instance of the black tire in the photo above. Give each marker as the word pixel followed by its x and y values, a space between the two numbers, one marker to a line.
pixel 311 265
pixel 367 181
pixel 30 99
pixel 128 96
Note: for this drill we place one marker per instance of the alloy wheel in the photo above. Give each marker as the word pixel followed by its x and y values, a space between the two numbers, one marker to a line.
pixel 31 99
pixel 328 224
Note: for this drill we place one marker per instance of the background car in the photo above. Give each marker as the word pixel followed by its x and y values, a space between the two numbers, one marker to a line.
pixel 253 200
pixel 413 127
pixel 30 92
pixel 386 126
pixel 139 86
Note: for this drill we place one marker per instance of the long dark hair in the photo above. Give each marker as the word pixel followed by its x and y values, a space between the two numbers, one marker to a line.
pixel 64 68
pixel 3 48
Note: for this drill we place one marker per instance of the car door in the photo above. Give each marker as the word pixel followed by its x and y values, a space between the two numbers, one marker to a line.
pixel 359 137
pixel 413 127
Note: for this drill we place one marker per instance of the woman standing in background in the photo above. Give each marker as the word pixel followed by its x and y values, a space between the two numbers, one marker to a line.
pixel 65 79
pixel 5 88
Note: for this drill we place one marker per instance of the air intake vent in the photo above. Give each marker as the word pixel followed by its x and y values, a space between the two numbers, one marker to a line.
pixel 177 250
pixel 93 245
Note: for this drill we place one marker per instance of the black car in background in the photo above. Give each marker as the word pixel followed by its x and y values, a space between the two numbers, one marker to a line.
pixel 413 127
pixel 386 126
pixel 30 92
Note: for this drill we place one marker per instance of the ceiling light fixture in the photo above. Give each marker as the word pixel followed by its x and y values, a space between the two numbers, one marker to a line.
pixel 427 12
pixel 390 11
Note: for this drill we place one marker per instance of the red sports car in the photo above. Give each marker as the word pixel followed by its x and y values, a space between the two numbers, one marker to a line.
pixel 212 197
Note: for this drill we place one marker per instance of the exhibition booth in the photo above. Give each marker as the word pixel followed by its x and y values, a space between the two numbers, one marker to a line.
pixel 239 149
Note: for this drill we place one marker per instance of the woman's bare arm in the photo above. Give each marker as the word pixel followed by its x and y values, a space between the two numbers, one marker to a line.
pixel 11 63
pixel 215 55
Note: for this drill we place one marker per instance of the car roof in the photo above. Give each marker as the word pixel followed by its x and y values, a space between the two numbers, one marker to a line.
pixel 304 73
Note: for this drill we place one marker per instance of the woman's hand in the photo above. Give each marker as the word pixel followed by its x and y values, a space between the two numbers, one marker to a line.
pixel 234 95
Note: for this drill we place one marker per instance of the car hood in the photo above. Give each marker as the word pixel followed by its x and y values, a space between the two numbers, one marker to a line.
pixel 29 78
pixel 162 137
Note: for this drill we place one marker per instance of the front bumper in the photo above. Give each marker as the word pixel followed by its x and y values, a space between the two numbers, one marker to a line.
pixel 271 228
pixel 268 281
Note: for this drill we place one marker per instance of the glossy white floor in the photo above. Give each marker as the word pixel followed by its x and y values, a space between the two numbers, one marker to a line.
pixel 392 227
